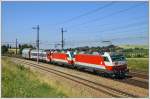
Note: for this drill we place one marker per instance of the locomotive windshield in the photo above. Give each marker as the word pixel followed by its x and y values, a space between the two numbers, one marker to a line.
pixel 72 54
pixel 118 58
pixel 106 59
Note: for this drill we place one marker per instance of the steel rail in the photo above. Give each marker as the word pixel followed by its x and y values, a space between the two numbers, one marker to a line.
pixel 111 91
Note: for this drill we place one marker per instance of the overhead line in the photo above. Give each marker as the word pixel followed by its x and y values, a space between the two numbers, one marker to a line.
pixel 89 12
pixel 108 24
pixel 135 24
pixel 87 41
pixel 126 26
pixel 109 15
pixel 100 41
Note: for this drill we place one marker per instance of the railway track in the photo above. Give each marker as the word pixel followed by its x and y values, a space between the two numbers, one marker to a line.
pixel 132 73
pixel 143 82
pixel 139 74
pixel 93 85
pixel 134 82
pixel 128 80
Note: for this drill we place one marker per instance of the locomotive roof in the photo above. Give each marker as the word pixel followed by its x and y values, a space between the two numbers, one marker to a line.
pixel 90 52
pixel 99 53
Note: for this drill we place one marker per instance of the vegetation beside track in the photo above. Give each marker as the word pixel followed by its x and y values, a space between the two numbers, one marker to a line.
pixel 18 81
pixel 140 64
pixel 134 46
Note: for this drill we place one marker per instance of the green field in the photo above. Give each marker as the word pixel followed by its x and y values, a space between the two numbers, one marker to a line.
pixel 18 81
pixel 140 64
pixel 134 46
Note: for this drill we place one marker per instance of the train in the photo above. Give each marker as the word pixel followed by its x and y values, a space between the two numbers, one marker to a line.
pixel 110 63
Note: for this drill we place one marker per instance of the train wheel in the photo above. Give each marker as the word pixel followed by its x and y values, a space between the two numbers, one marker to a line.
pixel 72 66
pixel 112 76
pixel 96 72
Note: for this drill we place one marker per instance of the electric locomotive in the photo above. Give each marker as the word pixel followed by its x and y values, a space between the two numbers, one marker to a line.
pixel 111 63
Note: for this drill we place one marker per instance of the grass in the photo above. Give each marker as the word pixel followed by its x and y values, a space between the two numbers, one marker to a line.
pixel 134 46
pixel 140 64
pixel 18 81
pixel 63 88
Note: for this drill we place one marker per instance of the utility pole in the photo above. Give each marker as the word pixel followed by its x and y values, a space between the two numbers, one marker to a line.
pixel 16 46
pixel 62 41
pixel 37 41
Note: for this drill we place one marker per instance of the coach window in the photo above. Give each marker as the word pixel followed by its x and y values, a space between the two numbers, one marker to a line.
pixel 106 59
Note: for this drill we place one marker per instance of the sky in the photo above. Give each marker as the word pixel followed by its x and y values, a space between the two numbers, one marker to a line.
pixel 85 23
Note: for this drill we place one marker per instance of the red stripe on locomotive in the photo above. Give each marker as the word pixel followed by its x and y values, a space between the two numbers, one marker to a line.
pixel 91 59
pixel 62 56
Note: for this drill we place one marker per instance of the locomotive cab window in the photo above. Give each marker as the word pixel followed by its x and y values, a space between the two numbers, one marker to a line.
pixel 67 55
pixel 118 58
pixel 72 54
pixel 106 59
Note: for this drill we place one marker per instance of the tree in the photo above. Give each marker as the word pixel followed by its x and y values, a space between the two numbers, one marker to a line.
pixel 4 49
pixel 21 47
pixel 7 45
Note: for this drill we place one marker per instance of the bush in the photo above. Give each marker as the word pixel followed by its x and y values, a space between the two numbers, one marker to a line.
pixel 4 49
